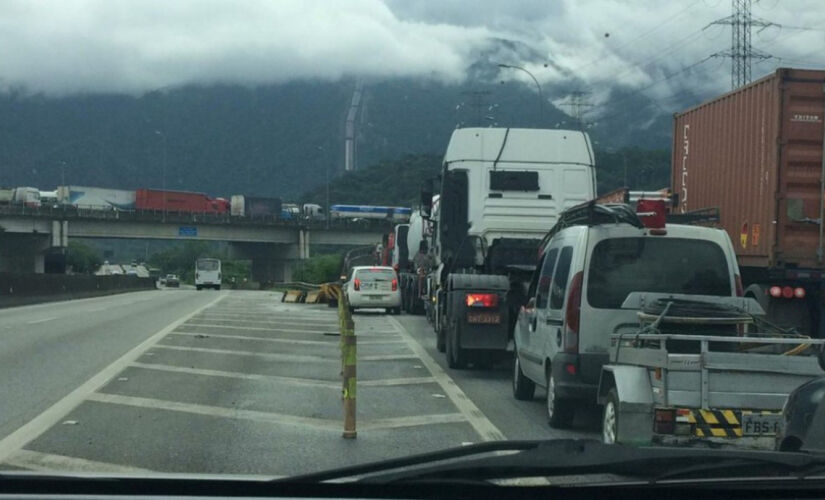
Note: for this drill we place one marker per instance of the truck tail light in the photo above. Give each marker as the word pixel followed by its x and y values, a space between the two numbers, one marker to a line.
pixel 394 284
pixel 787 292
pixel 356 284
pixel 775 291
pixel 664 421
pixel 799 292
pixel 481 300
pixel 740 292
pixel 572 315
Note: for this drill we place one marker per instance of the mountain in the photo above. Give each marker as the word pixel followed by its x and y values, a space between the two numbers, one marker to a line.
pixel 280 140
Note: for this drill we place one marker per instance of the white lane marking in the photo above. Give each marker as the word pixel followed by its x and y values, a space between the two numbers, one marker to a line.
pixel 216 411
pixel 266 355
pixel 396 381
pixel 55 413
pixel 41 320
pixel 288 329
pixel 387 357
pixel 482 425
pixel 245 376
pixel 412 421
pixel 97 309
pixel 331 342
pixel 269 318
pixel 34 460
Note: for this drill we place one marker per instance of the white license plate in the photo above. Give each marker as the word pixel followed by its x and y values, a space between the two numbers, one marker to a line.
pixel 759 424
pixel 375 297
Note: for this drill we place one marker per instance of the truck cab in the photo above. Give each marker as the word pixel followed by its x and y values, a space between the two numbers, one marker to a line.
pixel 501 190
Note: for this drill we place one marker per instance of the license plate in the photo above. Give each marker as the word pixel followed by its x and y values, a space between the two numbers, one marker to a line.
pixel 375 297
pixel 759 424
pixel 483 317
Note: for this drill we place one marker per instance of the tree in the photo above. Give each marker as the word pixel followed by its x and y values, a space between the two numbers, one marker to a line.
pixel 82 258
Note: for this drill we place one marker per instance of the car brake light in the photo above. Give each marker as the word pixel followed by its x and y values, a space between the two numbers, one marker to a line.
pixel 775 292
pixel 481 300
pixel 572 315
pixel 740 292
pixel 356 284
pixel 799 292
pixel 394 284
pixel 664 421
pixel 787 292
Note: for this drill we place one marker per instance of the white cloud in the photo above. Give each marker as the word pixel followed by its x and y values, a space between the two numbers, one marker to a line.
pixel 137 45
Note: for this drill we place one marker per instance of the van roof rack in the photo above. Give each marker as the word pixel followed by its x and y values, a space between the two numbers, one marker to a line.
pixel 701 216
pixel 593 213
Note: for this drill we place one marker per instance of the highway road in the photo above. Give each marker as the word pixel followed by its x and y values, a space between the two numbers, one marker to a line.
pixel 235 382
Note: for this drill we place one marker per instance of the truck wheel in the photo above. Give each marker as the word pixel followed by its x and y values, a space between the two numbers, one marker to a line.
pixel 610 418
pixel 440 341
pixel 198 288
pixel 523 387
pixel 559 411
pixel 456 356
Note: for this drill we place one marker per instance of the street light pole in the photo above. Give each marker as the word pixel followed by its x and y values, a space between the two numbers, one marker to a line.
pixel 541 95
pixel 326 179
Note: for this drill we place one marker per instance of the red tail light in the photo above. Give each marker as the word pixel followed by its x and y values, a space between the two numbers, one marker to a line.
pixel 481 300
pixel 787 292
pixel 740 292
pixel 664 421
pixel 356 284
pixel 799 292
pixel 775 291
pixel 394 284
pixel 572 316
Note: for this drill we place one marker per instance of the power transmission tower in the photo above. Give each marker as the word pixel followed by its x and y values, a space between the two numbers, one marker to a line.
pixel 576 104
pixel 741 51
pixel 477 101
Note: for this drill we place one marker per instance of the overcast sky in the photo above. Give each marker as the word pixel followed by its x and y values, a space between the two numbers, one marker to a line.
pixel 132 46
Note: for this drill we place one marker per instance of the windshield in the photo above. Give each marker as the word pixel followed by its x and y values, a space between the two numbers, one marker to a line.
pixel 272 237
pixel 665 265
pixel 208 265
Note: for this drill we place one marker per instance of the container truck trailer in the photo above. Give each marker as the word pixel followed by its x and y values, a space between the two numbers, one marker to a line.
pixel 756 154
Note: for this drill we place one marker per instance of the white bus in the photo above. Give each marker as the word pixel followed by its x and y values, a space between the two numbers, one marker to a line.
pixel 208 274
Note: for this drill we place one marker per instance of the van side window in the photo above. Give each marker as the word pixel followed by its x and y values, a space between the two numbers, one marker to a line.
pixel 545 278
pixel 560 278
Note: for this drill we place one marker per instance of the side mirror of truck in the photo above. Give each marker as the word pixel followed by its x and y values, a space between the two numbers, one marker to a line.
pixel 426 199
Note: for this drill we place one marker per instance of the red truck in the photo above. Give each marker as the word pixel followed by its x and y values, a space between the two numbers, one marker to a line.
pixel 179 201
pixel 756 154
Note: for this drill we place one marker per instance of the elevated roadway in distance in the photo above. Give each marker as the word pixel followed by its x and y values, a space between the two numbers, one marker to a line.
pixel 28 235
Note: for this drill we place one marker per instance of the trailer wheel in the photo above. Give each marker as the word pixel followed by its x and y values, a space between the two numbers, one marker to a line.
pixel 523 387
pixel 456 356
pixel 610 418
pixel 560 412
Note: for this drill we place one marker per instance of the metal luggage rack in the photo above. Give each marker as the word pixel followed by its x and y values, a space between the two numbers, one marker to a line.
pixel 593 213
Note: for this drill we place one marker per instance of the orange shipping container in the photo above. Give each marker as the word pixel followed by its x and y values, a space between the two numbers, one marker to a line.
pixel 757 154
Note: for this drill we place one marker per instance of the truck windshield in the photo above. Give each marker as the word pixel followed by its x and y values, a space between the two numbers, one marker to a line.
pixel 208 265
pixel 662 265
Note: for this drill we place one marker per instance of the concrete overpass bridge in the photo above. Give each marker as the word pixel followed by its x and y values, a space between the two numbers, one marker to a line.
pixel 33 240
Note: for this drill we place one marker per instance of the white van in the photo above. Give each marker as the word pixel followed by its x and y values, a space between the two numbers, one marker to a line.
pixel 585 272
pixel 208 274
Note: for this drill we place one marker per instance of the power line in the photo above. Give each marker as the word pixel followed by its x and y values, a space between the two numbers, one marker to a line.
pixel 741 51
pixel 577 104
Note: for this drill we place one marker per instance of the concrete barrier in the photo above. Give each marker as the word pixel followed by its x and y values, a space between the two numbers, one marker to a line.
pixel 28 288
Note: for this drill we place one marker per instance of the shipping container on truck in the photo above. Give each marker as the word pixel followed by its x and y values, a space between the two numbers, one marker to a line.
pixel 255 206
pixel 96 198
pixel 756 154
pixel 179 201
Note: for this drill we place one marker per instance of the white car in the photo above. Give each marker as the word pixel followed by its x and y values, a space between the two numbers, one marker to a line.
pixel 371 287
pixel 584 274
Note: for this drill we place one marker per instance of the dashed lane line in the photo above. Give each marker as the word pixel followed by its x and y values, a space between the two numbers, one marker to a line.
pixel 274 418
pixel 482 425
pixel 331 342
pixel 383 333
pixel 15 441
pixel 41 320
pixel 281 379
pixel 34 460
pixel 281 356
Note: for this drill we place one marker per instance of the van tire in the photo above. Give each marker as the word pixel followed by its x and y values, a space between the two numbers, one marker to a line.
pixel 456 356
pixel 523 388
pixel 610 418
pixel 560 412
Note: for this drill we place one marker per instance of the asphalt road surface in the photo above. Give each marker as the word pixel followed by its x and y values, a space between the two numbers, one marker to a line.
pixel 181 381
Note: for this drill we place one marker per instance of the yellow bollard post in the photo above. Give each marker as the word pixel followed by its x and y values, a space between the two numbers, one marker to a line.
pixel 348 365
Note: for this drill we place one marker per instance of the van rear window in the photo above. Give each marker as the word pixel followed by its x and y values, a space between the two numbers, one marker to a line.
pixel 620 266
pixel 375 274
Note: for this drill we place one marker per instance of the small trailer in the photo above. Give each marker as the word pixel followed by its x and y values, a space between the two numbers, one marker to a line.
pixel 701 370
